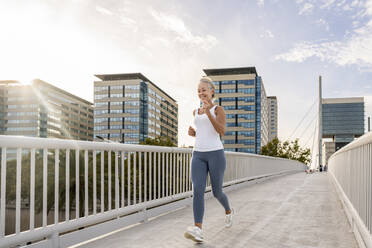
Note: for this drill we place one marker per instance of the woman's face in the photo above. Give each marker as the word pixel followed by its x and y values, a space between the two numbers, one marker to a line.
pixel 204 92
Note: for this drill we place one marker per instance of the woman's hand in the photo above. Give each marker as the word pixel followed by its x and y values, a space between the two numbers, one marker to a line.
pixel 192 131
pixel 207 105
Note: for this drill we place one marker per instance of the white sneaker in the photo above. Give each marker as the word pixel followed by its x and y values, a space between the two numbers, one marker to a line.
pixel 229 218
pixel 194 233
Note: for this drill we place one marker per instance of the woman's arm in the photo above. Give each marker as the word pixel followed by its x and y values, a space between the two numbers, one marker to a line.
pixel 219 123
pixel 192 131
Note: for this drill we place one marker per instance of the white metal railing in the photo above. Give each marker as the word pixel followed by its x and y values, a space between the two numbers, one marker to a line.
pixel 114 180
pixel 350 167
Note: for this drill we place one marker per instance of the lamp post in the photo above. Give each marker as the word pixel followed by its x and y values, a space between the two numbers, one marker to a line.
pixel 320 134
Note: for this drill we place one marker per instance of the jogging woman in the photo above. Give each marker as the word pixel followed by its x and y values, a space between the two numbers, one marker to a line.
pixel 208 156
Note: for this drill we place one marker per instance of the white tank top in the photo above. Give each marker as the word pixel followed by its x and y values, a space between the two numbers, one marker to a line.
pixel 207 138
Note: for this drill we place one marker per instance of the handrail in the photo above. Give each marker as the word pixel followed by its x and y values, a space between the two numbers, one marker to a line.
pixel 350 169
pixel 114 180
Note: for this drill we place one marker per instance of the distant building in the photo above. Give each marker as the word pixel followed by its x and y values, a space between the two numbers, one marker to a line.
pixel 273 117
pixel 43 110
pixel 241 92
pixel 129 108
pixel 2 105
pixel 342 120
pixel 328 149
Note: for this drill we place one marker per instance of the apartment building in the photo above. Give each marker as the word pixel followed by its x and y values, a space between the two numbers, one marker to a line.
pixel 273 117
pixel 241 92
pixel 342 121
pixel 40 109
pixel 129 108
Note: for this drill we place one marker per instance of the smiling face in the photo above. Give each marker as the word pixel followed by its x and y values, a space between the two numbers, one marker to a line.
pixel 205 92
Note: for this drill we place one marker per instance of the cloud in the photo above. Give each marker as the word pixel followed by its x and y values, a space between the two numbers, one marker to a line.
pixel 260 3
pixel 355 49
pixel 368 7
pixel 129 22
pixel 121 15
pixel 347 7
pixel 354 3
pixel 307 8
pixel 322 22
pixel 103 11
pixel 181 33
pixel 340 3
pixel 327 4
pixel 302 51
pixel 267 34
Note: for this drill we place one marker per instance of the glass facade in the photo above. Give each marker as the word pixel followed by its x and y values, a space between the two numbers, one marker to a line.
pixel 146 110
pixel 258 115
pixel 342 121
pixel 143 113
pixel 43 110
pixel 343 118
pixel 242 100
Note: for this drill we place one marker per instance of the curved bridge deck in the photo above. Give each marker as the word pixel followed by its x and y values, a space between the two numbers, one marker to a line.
pixel 297 210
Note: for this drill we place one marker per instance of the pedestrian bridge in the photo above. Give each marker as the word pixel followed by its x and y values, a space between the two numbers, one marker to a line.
pixel 297 210
pixel 140 196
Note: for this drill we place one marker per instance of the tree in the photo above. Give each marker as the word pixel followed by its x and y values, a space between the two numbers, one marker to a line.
pixel 287 149
pixel 158 141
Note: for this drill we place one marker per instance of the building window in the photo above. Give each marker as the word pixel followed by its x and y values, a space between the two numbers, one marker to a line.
pixel 100 96
pixel 132 103
pixel 116 103
pixel 100 112
pixel 132 87
pixel 116 127
pixel 246 82
pixel 100 120
pixel 100 88
pixel 246 99
pixel 246 107
pixel 116 111
pixel 228 82
pixel 116 95
pixel 116 87
pixel 131 95
pixel 228 141
pixel 246 91
pixel 100 128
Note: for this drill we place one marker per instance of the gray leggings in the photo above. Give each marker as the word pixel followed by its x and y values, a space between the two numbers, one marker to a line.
pixel 201 163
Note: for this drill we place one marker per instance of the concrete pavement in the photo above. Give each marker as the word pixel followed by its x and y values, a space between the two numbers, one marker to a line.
pixel 298 210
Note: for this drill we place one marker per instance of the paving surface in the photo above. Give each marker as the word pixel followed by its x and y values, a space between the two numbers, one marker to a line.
pixel 297 210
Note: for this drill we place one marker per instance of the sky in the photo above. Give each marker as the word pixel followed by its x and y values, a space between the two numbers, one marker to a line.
pixel 290 42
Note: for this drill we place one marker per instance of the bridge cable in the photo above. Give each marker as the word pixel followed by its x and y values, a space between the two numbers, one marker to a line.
pixel 311 122
pixel 302 119
pixel 312 148
pixel 312 136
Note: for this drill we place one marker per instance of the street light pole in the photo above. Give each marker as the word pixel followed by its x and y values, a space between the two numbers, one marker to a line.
pixel 320 122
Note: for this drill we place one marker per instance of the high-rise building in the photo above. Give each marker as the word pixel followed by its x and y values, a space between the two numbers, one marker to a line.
pixel 240 91
pixel 2 108
pixel 129 108
pixel 273 117
pixel 40 109
pixel 342 119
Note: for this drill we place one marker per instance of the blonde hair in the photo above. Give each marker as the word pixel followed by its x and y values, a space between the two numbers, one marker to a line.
pixel 209 81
